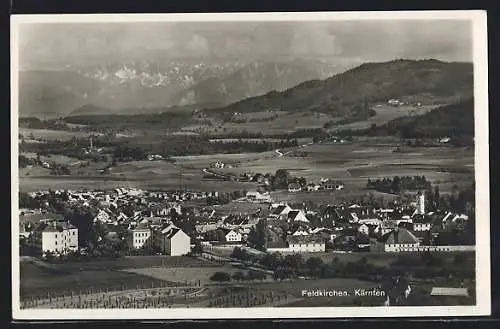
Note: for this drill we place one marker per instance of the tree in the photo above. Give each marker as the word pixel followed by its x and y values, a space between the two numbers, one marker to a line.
pixel 280 179
pixel 294 262
pixel 256 275
pixel 437 198
pixel 220 277
pixel 314 265
pixel 258 236
pixel 271 261
pixel 238 276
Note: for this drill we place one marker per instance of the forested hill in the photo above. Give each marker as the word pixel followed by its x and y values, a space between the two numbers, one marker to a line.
pixel 455 121
pixel 451 120
pixel 426 81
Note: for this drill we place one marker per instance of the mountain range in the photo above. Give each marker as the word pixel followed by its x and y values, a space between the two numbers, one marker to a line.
pixel 148 84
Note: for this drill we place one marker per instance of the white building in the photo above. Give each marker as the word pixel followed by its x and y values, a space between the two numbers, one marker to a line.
pixel 420 204
pixel 418 226
pixel 139 236
pixel 232 235
pixel 398 240
pixel 258 197
pixel 56 237
pixel 174 242
pixel 364 229
pixel 308 243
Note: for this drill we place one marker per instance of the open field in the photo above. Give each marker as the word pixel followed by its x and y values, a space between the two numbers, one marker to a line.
pixel 52 134
pixel 138 174
pixel 181 274
pixel 284 123
pixel 353 163
pixel 38 278
pixel 37 281
pixel 386 113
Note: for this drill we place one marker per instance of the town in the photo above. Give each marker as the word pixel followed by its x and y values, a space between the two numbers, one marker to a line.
pixel 68 226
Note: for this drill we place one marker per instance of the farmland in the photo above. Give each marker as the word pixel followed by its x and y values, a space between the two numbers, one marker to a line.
pixel 353 163
pixel 180 274
pixel 47 134
pixel 386 113
pixel 37 278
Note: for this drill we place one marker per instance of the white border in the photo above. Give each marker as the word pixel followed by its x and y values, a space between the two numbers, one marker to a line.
pixel 480 59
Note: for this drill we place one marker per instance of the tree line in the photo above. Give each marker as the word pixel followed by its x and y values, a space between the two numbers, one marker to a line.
pixel 397 184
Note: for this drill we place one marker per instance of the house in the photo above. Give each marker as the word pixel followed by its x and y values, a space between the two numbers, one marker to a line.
pixel 312 187
pixel 293 187
pixel 258 197
pixel 102 216
pixel 153 157
pixel 445 140
pixel 173 241
pixel 309 243
pixel 297 216
pixel 231 235
pixel 280 211
pixel 364 229
pixel 218 165
pixel 56 237
pixel 140 235
pixel 445 291
pixel 394 102
pixel 397 240
pixel 330 185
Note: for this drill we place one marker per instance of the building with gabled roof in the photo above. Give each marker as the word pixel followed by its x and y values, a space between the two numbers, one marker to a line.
pixel 280 211
pixel 397 240
pixel 140 235
pixel 297 216
pixel 172 241
pixel 55 236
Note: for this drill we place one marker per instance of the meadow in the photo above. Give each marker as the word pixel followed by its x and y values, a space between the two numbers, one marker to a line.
pixel 48 134
pixel 386 113
pixel 351 162
pixel 38 278
pixel 180 274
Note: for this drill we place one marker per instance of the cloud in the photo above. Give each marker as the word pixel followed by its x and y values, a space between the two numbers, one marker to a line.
pixel 366 40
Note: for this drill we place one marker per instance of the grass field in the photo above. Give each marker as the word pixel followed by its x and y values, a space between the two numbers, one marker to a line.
pixel 37 281
pixel 39 278
pixel 52 134
pixel 386 113
pixel 353 163
pixel 181 274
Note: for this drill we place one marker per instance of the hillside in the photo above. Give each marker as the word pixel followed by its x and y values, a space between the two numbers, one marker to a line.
pixel 451 120
pixel 254 79
pixel 425 81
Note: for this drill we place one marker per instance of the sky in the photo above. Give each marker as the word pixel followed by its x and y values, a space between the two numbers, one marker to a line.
pixel 43 45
